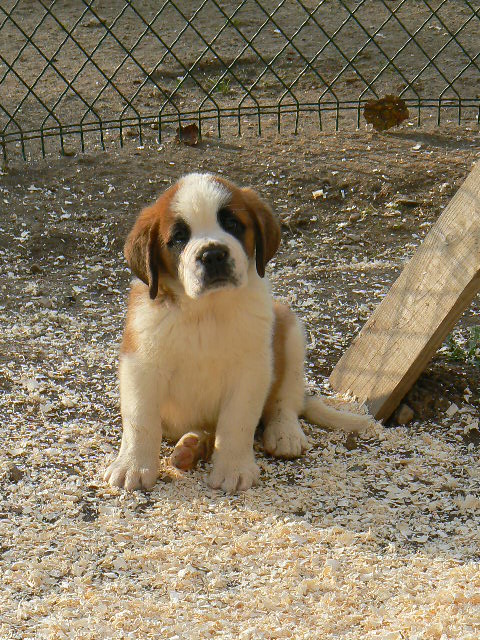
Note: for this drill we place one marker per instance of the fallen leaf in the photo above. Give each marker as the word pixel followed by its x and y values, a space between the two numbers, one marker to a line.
pixel 386 113
pixel 189 135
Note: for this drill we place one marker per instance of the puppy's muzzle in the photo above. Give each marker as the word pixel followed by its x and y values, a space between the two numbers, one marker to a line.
pixel 217 265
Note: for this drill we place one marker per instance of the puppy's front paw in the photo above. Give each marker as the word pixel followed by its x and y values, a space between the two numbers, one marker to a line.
pixel 284 438
pixel 131 473
pixel 233 475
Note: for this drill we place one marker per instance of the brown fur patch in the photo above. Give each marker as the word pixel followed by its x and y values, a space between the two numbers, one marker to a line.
pixel 262 231
pixel 267 229
pixel 284 319
pixel 129 341
pixel 238 205
pixel 166 217
pixel 145 247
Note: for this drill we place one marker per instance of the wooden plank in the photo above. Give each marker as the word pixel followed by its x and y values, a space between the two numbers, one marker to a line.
pixel 421 308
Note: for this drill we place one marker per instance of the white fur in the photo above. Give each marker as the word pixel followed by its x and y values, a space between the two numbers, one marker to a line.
pixel 198 199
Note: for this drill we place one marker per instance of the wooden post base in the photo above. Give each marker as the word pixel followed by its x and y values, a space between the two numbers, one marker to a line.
pixel 421 308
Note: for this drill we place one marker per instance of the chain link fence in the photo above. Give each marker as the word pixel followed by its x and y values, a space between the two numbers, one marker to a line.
pixel 78 73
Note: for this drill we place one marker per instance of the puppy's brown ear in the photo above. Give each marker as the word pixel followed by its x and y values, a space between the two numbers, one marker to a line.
pixel 267 229
pixel 143 252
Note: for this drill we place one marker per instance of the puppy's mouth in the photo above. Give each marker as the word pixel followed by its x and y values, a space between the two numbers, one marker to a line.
pixel 219 282
pixel 219 273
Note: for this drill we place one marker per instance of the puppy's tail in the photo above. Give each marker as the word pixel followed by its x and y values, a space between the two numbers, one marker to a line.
pixel 318 412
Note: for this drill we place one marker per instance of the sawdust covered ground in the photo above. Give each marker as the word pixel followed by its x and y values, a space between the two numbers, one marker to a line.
pixel 369 538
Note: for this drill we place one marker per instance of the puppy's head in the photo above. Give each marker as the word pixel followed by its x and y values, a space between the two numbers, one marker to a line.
pixel 203 234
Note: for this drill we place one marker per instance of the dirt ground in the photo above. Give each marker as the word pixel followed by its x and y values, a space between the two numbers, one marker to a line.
pixel 374 538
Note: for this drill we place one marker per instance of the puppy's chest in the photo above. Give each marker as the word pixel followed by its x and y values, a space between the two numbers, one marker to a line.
pixel 209 345
pixel 201 363
pixel 186 347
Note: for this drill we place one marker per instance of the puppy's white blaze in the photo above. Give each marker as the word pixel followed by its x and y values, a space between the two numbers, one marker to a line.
pixel 197 200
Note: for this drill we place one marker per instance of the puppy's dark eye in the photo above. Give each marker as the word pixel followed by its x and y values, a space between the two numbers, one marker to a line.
pixel 229 222
pixel 180 235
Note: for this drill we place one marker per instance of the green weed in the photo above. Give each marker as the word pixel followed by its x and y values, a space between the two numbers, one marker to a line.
pixel 467 352
pixel 223 86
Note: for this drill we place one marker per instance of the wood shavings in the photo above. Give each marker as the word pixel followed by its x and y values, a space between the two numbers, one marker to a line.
pixel 452 410
pixel 371 538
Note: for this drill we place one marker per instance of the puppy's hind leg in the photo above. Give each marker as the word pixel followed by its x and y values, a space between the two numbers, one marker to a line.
pixel 283 436
pixel 192 447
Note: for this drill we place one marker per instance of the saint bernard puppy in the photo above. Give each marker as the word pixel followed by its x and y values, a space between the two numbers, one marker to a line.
pixel 207 353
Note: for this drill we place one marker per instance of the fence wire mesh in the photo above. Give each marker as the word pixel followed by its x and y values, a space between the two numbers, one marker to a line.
pixel 80 72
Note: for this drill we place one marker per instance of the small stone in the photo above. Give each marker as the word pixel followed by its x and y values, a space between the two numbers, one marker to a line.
pixel 434 631
pixel 46 302
pixel 68 152
pixel 35 268
pixel 391 213
pixel 354 217
pixel 14 473
pixel 352 238
pixel 351 442
pixel 17 509
pixel 407 202
pixel 93 23
pixel 397 226
pixel 404 414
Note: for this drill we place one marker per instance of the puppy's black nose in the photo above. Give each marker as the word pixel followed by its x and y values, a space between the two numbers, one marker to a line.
pixel 213 257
